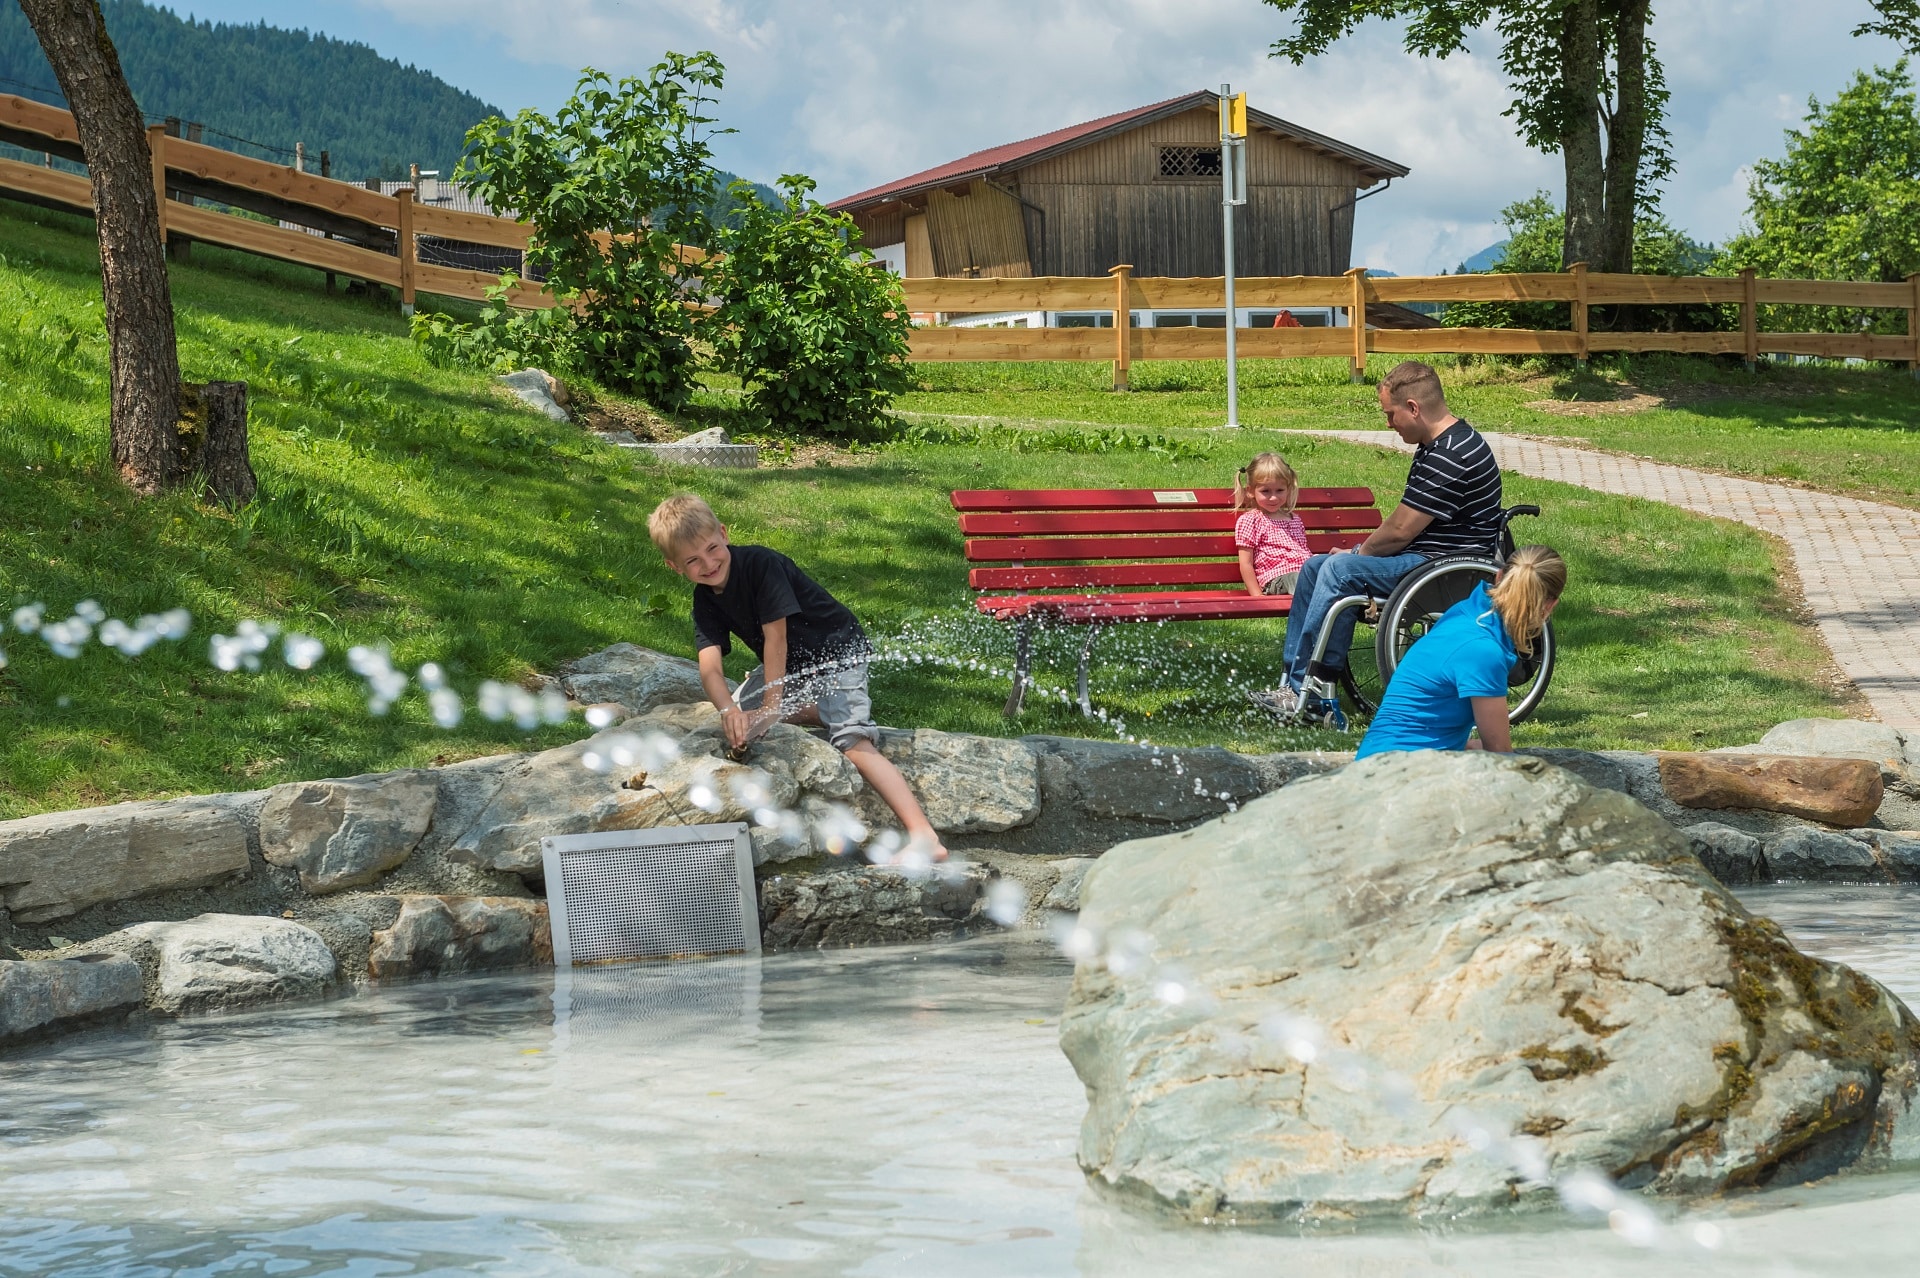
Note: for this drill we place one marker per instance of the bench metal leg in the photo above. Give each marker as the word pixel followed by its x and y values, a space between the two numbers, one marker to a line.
pixel 1022 665
pixel 1086 651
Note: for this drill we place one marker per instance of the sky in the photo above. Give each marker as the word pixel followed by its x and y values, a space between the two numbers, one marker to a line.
pixel 857 92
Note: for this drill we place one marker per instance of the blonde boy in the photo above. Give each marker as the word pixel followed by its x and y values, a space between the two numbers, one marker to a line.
pixel 813 653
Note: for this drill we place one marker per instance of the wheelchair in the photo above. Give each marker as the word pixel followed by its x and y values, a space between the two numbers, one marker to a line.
pixel 1399 620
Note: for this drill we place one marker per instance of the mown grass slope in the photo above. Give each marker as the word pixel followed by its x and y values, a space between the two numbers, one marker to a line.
pixel 417 507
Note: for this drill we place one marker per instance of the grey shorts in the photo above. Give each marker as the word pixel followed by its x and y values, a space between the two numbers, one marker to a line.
pixel 840 696
pixel 1281 585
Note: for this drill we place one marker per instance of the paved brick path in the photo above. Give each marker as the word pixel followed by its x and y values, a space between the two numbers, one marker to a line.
pixel 1859 561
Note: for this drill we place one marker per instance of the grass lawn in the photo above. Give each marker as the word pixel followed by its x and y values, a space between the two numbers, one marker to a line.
pixel 417 507
pixel 1842 430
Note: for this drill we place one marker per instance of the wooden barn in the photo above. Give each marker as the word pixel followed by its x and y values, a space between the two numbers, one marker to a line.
pixel 1141 187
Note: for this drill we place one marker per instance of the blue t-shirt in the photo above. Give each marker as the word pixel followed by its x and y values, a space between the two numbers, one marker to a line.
pixel 1426 707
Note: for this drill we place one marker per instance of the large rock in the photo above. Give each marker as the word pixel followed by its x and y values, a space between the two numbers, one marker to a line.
pixel 224 960
pixel 1806 853
pixel 440 935
pixel 967 784
pixel 1845 739
pixel 1844 792
pixel 537 389
pixel 1112 781
pixel 634 677
pixel 47 995
pixel 1899 851
pixel 869 906
pixel 342 834
pixel 1730 855
pixel 59 864
pixel 1322 1004
pixel 554 793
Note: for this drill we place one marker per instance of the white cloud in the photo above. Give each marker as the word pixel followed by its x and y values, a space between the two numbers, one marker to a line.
pixel 859 91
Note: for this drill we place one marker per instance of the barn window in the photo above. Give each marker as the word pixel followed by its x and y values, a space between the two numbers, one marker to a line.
pixel 1189 161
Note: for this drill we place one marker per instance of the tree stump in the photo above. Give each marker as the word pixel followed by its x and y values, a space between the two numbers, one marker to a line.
pixel 213 440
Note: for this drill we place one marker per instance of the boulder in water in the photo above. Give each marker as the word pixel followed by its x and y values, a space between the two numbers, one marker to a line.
pixel 1330 1002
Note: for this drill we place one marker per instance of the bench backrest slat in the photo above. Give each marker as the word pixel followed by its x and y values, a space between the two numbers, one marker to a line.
pixel 1043 549
pixel 1036 499
pixel 1040 524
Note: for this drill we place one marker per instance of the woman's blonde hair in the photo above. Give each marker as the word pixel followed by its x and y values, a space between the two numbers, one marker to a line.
pixel 1532 580
pixel 1266 468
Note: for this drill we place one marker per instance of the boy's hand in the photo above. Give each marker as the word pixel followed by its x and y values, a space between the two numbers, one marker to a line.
pixel 737 725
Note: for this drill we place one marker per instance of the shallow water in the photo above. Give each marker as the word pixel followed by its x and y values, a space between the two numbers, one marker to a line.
pixel 884 1112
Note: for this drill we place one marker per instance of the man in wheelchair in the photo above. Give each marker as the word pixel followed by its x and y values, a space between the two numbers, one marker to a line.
pixel 1451 506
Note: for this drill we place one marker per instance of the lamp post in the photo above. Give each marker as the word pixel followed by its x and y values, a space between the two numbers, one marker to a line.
pixel 1233 193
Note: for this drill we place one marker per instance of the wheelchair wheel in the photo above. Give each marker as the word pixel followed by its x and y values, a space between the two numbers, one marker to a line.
pixel 1418 602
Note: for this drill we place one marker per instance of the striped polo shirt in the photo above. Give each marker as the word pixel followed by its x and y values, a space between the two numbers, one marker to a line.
pixel 1456 480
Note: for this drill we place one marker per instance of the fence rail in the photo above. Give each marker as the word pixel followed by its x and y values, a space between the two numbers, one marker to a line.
pixel 1123 293
pixel 355 232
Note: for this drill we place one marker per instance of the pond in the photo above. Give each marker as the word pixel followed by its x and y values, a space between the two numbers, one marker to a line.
pixel 903 1111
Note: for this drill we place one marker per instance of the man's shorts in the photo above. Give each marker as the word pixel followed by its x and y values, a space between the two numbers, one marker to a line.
pixel 839 694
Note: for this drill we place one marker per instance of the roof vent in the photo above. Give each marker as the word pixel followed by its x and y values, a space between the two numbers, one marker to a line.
pixel 640 894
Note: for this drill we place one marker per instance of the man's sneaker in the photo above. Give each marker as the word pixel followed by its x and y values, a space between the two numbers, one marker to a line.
pixel 1281 701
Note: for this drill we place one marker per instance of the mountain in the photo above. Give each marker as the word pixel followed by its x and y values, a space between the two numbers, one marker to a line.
pixel 259 89
pixel 1483 260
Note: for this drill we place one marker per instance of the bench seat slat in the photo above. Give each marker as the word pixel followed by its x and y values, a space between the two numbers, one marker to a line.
pixel 1056 576
pixel 1016 499
pixel 1212 605
pixel 1034 524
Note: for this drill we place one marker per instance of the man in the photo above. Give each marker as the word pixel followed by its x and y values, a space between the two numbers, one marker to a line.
pixel 1451 506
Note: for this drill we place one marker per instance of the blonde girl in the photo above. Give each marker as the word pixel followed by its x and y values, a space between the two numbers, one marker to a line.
pixel 1271 538
pixel 1455 679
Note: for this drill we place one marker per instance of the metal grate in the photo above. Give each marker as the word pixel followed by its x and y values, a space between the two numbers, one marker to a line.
pixel 1189 161
pixel 660 893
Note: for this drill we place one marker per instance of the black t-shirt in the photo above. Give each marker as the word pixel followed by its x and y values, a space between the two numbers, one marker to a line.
pixel 1456 480
pixel 764 585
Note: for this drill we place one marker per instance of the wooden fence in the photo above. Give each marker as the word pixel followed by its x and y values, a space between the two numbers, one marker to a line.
pixel 1580 289
pixel 365 235
pixel 356 232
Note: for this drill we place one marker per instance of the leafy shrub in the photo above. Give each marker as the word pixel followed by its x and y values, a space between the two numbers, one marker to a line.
pixel 813 328
pixel 502 339
pixel 614 183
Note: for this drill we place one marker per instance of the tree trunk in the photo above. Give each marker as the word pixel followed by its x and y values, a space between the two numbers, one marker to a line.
pixel 1626 134
pixel 143 361
pixel 1580 68
pixel 214 441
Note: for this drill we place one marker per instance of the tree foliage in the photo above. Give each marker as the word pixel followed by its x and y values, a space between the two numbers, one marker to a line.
pixel 614 183
pixel 806 319
pixel 1586 83
pixel 1843 203
pixel 1534 230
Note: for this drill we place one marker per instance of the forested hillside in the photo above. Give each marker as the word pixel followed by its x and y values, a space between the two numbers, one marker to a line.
pixel 269 85
pixel 267 88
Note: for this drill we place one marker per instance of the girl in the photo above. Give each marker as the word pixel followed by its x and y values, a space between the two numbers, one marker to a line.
pixel 1271 539
pixel 1455 678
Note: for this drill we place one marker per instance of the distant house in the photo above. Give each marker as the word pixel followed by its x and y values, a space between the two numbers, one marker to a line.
pixel 1142 188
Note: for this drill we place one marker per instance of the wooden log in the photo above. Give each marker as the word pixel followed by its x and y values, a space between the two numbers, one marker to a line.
pixel 1579 272
pixel 1913 322
pixel 1750 317
pixel 1829 293
pixel 213 440
pixel 1357 321
pixel 409 251
pixel 1529 287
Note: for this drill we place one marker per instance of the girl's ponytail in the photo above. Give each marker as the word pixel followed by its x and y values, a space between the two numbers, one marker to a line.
pixel 1532 581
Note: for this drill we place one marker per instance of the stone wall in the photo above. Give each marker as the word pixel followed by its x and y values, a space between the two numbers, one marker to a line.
pixel 433 871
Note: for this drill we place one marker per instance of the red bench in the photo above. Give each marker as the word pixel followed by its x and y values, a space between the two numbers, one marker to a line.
pixel 1100 556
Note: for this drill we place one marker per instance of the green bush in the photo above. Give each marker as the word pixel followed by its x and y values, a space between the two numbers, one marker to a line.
pixel 812 327
pixel 502 339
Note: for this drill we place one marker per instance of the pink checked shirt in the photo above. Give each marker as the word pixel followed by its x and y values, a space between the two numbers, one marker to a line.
pixel 1278 545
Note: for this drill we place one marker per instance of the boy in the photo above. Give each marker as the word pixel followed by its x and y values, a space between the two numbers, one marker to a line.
pixel 813 653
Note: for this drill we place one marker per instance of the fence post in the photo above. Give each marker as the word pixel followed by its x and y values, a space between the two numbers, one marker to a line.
pixel 1913 323
pixel 1750 318
pixel 1357 321
pixel 403 228
pixel 1579 272
pixel 1122 324
pixel 157 143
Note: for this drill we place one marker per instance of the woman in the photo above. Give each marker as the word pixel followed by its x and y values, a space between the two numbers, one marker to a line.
pixel 1455 678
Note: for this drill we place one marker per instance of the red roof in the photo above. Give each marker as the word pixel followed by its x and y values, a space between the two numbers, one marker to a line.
pixel 1014 154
